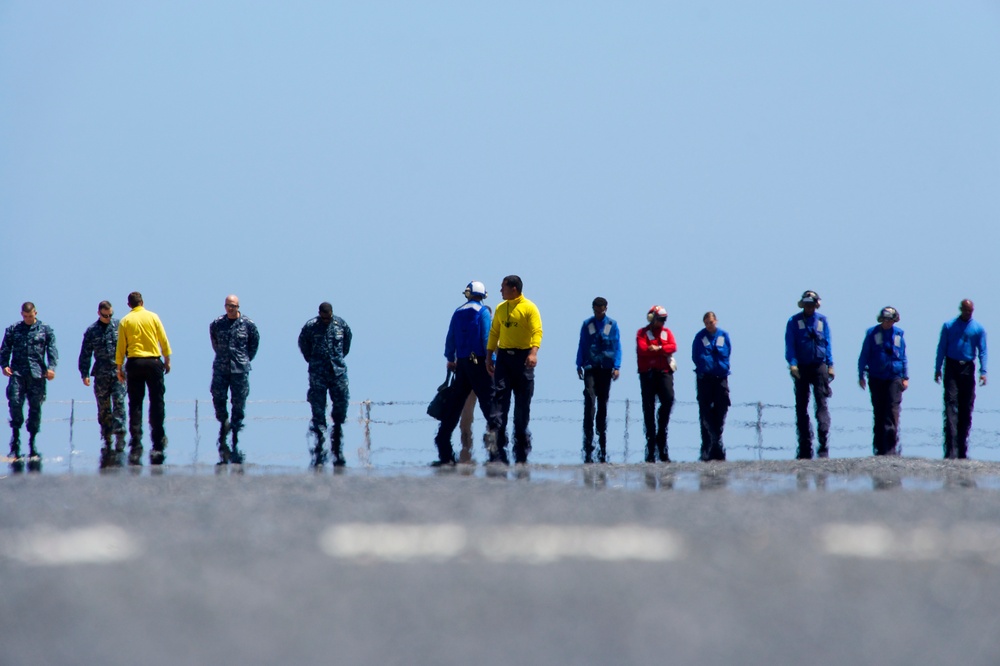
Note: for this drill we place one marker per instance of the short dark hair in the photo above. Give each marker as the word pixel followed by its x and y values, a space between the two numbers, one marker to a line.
pixel 709 314
pixel 27 306
pixel 514 281
pixel 134 300
pixel 325 308
pixel 104 305
pixel 600 301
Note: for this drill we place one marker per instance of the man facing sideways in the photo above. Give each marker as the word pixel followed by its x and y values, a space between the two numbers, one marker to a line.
pixel 100 342
pixel 235 340
pixel 143 342
pixel 962 339
pixel 465 354
pixel 515 336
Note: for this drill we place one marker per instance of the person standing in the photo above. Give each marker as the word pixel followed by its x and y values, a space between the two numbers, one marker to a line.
pixel 515 336
pixel 883 357
pixel 810 363
pixel 465 354
pixel 598 363
pixel 324 342
pixel 235 340
pixel 143 341
pixel 100 341
pixel 962 339
pixel 29 357
pixel 710 352
pixel 654 347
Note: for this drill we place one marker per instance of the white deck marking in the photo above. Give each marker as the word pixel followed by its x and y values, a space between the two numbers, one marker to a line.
pixel 531 544
pixel 48 546
pixel 880 541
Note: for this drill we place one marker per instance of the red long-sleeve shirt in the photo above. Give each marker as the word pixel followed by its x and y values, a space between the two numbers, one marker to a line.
pixel 658 359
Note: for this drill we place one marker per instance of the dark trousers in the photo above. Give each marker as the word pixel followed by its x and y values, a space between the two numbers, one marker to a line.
pixel 656 385
pixel 142 373
pixel 469 378
pixel 959 399
pixel 110 395
pixel 887 396
pixel 512 377
pixel 596 390
pixel 224 383
pixel 19 389
pixel 713 405
pixel 321 383
pixel 816 377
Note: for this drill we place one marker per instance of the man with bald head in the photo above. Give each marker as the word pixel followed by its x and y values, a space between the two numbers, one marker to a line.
pixel 961 340
pixel 235 340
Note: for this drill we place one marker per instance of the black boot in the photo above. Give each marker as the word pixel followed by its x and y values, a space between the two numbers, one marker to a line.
pixel 236 457
pixel 319 451
pixel 602 452
pixel 34 457
pixel 158 454
pixel 446 455
pixel 650 450
pixel 15 445
pixel 337 445
pixel 135 453
pixel 588 448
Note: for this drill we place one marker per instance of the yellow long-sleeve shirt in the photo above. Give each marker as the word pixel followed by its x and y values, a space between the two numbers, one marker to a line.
pixel 517 324
pixel 141 335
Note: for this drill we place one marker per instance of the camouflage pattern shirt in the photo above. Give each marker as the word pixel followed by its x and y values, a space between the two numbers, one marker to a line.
pixel 99 342
pixel 235 342
pixel 324 346
pixel 29 351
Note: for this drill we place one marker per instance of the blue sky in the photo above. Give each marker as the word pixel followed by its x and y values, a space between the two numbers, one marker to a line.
pixel 722 156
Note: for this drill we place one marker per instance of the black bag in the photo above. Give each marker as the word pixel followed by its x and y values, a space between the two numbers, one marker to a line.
pixel 436 408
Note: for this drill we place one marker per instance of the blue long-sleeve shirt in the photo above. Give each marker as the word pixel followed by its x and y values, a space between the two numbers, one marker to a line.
pixel 807 340
pixel 468 332
pixel 29 351
pixel 600 344
pixel 883 354
pixel 235 342
pixel 710 353
pixel 961 340
pixel 100 341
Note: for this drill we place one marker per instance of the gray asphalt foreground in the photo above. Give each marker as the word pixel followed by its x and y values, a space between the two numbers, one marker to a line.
pixel 893 561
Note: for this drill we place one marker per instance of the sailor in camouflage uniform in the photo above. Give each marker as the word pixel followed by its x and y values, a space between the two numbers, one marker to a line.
pixel 235 340
pixel 28 357
pixel 99 342
pixel 324 342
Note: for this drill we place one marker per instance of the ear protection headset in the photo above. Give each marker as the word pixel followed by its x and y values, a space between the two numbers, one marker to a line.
pixel 656 312
pixel 809 297
pixel 888 312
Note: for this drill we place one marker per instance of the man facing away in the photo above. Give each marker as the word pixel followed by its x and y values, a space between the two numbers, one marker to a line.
pixel 100 341
pixel 962 339
pixel 598 363
pixel 324 342
pixel 883 357
pixel 235 340
pixel 28 356
pixel 465 354
pixel 143 342
pixel 654 349
pixel 515 336
pixel 810 363
pixel 710 352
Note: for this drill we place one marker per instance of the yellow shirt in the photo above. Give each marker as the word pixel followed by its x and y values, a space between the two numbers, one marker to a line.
pixel 141 335
pixel 517 324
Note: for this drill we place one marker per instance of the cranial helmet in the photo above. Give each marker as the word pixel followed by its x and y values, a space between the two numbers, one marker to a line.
pixel 656 312
pixel 888 313
pixel 475 288
pixel 809 297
